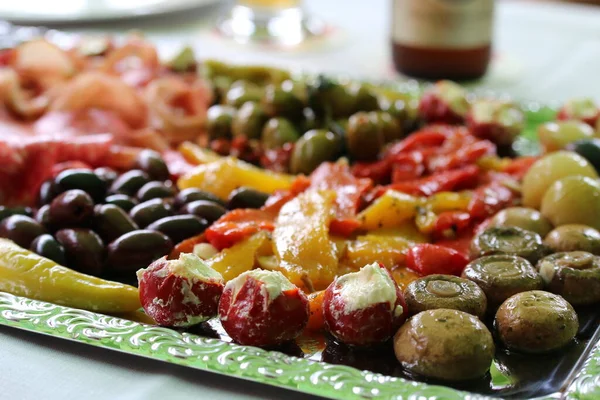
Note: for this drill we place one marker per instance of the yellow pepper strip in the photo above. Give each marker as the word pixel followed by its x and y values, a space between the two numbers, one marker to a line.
pixel 242 256
pixel 386 246
pixel 24 273
pixel 227 174
pixel 390 210
pixel 403 276
pixel 493 163
pixel 448 201
pixel 195 154
pixel 301 242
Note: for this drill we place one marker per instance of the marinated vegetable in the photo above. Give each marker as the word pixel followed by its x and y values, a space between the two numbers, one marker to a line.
pixel 445 291
pixel 573 275
pixel 557 135
pixel 574 237
pixel 180 292
pixel 27 274
pixel 501 276
pixel 573 200
pixel 365 307
pixel 444 102
pixel 279 309
pixel 452 345
pixel 583 109
pixel 524 218
pixel 536 322
pixel 508 240
pixel 498 121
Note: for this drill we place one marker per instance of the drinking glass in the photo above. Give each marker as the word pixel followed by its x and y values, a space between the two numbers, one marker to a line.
pixel 279 22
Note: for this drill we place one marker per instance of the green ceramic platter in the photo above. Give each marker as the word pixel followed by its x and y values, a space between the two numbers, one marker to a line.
pixel 254 364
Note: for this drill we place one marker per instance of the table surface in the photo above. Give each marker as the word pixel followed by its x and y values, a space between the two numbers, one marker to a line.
pixel 543 51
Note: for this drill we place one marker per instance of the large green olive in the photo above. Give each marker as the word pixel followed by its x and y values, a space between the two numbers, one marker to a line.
pixel 557 135
pixel 445 291
pixel 508 240
pixel 524 218
pixel 277 132
pixel 155 190
pixel 536 322
pixel 547 170
pixel 574 275
pixel 244 197
pixel 313 148
pixel 110 221
pixel 391 128
pixel 501 276
pixel 241 92
pixel 152 163
pixel 573 237
pixel 130 182
pixel 82 179
pixel 218 121
pixel 331 99
pixel 21 229
pixel 364 138
pixel 179 227
pixel 84 250
pixel 282 102
pixel 445 344
pixel 137 249
pixel 46 246
pixel 405 111
pixel 249 121
pixel 588 149
pixel 70 209
pixel 573 200
pixel 365 99
pixel 149 211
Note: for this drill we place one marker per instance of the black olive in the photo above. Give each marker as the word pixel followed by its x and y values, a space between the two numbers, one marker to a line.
pixel 46 246
pixel 149 211
pixel 122 200
pixel 208 210
pixel 130 182
pixel 84 250
pixel 71 208
pixel 244 197
pixel 179 227
pixel 193 194
pixel 21 229
pixel 153 164
pixel 155 190
pixel 82 179
pixel 137 249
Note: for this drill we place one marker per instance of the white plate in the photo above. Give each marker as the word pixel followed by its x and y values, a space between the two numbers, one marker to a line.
pixel 55 11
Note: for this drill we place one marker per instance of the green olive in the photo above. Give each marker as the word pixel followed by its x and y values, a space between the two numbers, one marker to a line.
pixel 390 127
pixel 536 322
pixel 557 135
pixel 573 200
pixel 501 276
pixel 241 92
pixel 313 148
pixel 522 217
pixel 249 120
pixel 218 121
pixel 405 111
pixel 547 170
pixel 445 291
pixel 573 237
pixel 588 149
pixel 331 99
pixel 573 275
pixel 277 132
pixel 508 240
pixel 184 61
pixel 365 99
pixel 364 138
pixel 282 101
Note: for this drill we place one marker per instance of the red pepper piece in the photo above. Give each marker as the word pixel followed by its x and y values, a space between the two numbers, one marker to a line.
pixel 428 259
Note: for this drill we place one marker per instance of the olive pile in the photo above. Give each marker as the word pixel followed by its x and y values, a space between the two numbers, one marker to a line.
pixel 320 120
pixel 108 224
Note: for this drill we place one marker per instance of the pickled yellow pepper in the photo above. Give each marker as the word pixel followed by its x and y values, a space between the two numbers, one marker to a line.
pixel 27 274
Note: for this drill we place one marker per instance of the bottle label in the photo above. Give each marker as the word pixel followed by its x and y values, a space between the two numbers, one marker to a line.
pixel 443 23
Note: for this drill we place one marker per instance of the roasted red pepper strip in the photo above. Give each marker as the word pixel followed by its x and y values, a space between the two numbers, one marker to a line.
pixel 426 138
pixel 349 191
pixel 519 166
pixel 280 197
pixel 467 154
pixel 237 225
pixel 427 259
pixel 187 246
pixel 461 243
pixel 489 199
pixel 462 178
pixel 449 224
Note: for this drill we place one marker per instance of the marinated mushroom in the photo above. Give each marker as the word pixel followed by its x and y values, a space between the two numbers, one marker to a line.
pixel 573 200
pixel 550 168
pixel 557 135
pixel 445 344
pixel 574 275
pixel 501 276
pixel 536 322
pixel 573 237
pixel 508 240
pixel 524 218
pixel 445 291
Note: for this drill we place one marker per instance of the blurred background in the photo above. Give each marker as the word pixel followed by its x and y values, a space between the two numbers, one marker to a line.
pixel 541 50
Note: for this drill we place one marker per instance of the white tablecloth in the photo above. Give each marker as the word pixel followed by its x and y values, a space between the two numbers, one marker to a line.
pixel 546 52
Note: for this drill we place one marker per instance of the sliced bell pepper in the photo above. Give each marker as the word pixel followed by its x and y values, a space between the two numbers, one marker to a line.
pixel 242 256
pixel 24 273
pixel 461 178
pixel 237 225
pixel 301 241
pixel 390 210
